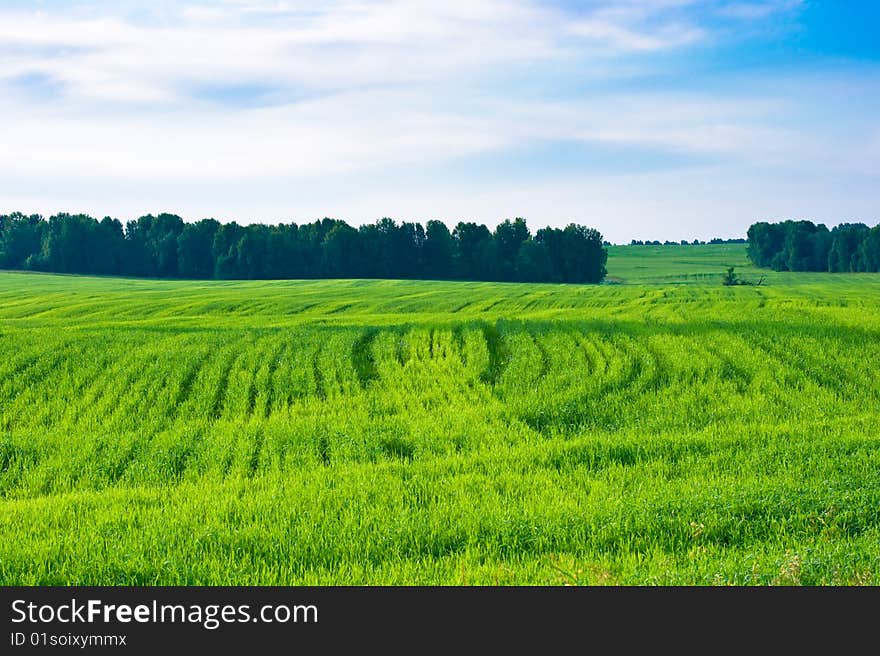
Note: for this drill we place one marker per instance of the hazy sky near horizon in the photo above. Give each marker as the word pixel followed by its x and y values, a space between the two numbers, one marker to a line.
pixel 647 119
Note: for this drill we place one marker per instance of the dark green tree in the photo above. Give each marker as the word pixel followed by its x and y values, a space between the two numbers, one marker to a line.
pixel 765 242
pixel 509 237
pixel 342 252
pixel 868 255
pixel 165 246
pixel 408 251
pixel 471 250
pixel 843 252
pixel 68 243
pixel 195 258
pixel 225 250
pixel 533 262
pixel 438 251
pixel 107 247
pixel 805 247
pixel 21 238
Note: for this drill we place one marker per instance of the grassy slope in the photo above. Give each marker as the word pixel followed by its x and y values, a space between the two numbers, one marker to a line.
pixel 663 430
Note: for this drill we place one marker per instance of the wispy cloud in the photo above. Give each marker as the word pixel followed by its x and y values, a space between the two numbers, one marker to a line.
pixel 250 93
pixel 758 9
pixel 107 55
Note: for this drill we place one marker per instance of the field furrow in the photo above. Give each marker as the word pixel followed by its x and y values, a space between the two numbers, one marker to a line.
pixel 663 430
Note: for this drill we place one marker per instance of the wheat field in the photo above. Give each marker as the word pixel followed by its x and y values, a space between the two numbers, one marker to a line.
pixel 657 429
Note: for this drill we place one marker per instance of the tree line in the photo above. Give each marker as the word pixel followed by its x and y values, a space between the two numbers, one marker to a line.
pixel 805 246
pixel 166 246
pixel 685 242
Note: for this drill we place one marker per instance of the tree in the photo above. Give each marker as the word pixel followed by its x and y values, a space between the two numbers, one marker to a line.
pixel 438 251
pixel 805 247
pixel 473 256
pixel 107 247
pixel 407 251
pixel 533 262
pixel 225 250
pixel 195 258
pixel 576 253
pixel 21 237
pixel 69 244
pixel 378 240
pixel 165 246
pixel 282 252
pixel 509 237
pixel 137 261
pixel 868 255
pixel 765 242
pixel 162 244
pixel 342 258
pixel 250 252
pixel 152 245
pixel 583 257
pixel 843 251
pixel 595 257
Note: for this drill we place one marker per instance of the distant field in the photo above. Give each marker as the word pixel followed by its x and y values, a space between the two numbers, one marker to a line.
pixel 676 264
pixel 657 429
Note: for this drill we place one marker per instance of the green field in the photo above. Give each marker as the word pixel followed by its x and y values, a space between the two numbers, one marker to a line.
pixel 657 429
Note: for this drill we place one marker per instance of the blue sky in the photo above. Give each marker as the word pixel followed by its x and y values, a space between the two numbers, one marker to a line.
pixel 648 119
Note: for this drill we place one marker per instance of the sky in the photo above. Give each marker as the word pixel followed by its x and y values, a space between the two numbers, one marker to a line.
pixel 645 119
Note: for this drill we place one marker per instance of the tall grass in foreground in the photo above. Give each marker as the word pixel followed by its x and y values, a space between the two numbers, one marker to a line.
pixel 383 432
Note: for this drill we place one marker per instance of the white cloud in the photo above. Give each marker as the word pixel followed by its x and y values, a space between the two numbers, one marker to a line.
pixel 223 107
pixel 349 45
pixel 761 9
pixel 314 45
pixel 624 38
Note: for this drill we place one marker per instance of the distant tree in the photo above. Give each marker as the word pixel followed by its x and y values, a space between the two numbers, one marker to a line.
pixel 273 261
pixel 805 247
pixel 552 239
pixel 584 257
pixel 342 256
pixel 21 238
pixel 285 252
pixel 533 262
pixel 844 248
pixel 576 253
pixel 765 244
pixel 408 250
pixel 162 244
pixel 509 236
pixel 771 245
pixel 152 245
pixel 471 249
pixel 68 245
pixel 165 246
pixel 225 250
pixel 438 251
pixel 251 252
pixel 379 241
pixel 137 259
pixel 868 254
pixel 731 279
pixel 310 243
pixel 195 258
pixel 107 247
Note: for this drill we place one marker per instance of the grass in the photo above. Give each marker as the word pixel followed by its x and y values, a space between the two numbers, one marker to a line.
pixel 659 429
